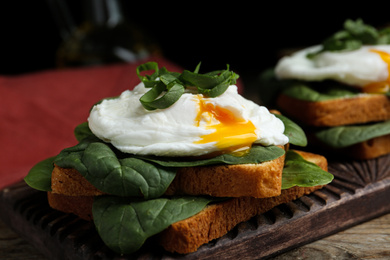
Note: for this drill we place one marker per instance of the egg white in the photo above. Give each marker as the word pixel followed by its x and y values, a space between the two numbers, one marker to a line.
pixel 172 131
pixel 356 68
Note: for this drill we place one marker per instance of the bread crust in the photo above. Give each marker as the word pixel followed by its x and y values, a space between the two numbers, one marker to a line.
pixel 70 182
pixel 81 206
pixel 256 180
pixel 366 150
pixel 336 112
pixel 214 221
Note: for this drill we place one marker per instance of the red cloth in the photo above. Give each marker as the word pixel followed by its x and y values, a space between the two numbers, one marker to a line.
pixel 39 111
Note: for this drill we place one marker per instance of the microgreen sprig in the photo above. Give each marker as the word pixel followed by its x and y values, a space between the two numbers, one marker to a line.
pixel 167 87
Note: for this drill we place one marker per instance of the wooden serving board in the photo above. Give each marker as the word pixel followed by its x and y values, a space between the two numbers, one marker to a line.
pixel 359 192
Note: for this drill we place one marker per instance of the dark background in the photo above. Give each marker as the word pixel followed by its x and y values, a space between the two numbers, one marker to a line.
pixel 245 36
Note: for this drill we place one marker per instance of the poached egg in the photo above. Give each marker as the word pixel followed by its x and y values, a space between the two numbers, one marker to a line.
pixel 366 68
pixel 193 126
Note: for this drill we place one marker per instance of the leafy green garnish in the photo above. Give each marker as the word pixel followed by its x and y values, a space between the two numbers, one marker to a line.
pixel 343 136
pixel 299 172
pixel 167 87
pixel 319 91
pixel 82 131
pixel 124 225
pixel 302 90
pixel 353 36
pixel 294 132
pixel 130 176
pixel 39 176
pixel 141 176
pixel 257 154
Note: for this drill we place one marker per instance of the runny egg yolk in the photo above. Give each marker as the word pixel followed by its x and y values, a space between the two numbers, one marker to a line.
pixel 232 134
pixel 382 86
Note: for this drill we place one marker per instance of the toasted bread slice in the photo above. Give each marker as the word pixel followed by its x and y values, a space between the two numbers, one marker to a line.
pixel 336 112
pixel 256 180
pixel 213 222
pixel 372 148
pixel 216 220
pixel 80 206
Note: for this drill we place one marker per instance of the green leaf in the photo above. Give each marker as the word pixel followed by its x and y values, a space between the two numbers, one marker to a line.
pixel 148 80
pixel 343 136
pixel 167 87
pixel 257 154
pixel 147 176
pixel 151 102
pixel 72 157
pixel 82 131
pixel 319 91
pixel 353 36
pixel 39 176
pixel 294 132
pixel 124 177
pixel 124 225
pixel 130 176
pixel 299 172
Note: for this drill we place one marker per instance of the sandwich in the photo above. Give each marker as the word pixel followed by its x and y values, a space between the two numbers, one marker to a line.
pixel 338 91
pixel 181 159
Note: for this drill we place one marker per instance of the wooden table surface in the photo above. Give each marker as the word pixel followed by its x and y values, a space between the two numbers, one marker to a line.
pixel 369 240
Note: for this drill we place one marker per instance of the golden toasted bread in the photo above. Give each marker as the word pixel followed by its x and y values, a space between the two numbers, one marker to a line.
pixel 336 112
pixel 256 180
pixel 213 222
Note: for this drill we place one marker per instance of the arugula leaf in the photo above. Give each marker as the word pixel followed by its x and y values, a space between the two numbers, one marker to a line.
pixel 257 154
pixel 167 87
pixel 343 136
pixel 39 176
pixel 124 225
pixel 294 132
pixel 299 172
pixel 353 36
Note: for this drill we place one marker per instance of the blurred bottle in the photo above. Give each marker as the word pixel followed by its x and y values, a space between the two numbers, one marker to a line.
pixel 105 36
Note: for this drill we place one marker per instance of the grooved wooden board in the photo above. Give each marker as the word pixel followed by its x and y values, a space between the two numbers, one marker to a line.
pixel 359 192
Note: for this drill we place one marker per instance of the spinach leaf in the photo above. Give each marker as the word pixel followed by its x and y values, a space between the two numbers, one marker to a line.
pixel 97 162
pixel 82 131
pixel 326 90
pixel 39 176
pixel 257 154
pixel 125 225
pixel 294 132
pixel 211 84
pixel 167 87
pixel 353 35
pixel 302 90
pixel 343 136
pixel 299 172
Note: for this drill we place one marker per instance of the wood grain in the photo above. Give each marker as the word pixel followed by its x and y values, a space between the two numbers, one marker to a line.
pixel 12 246
pixel 370 240
pixel 358 194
